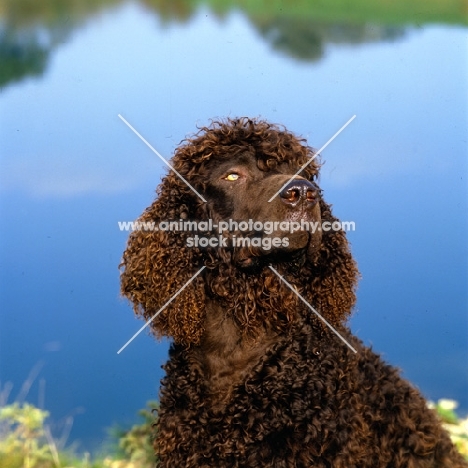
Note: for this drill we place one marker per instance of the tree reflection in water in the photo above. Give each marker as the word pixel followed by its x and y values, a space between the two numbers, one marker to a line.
pixel 31 30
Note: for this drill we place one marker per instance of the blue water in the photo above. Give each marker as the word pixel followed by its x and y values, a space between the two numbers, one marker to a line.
pixel 70 170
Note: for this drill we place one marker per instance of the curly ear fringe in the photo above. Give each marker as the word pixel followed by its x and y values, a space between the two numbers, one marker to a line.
pixel 335 274
pixel 157 264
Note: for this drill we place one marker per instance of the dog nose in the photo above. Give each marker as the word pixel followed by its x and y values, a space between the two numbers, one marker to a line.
pixel 298 191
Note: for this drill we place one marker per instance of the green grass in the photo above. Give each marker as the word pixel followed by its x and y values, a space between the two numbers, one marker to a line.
pixel 26 442
pixel 357 11
pixel 399 12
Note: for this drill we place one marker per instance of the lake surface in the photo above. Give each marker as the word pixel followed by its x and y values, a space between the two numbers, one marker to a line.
pixel 71 170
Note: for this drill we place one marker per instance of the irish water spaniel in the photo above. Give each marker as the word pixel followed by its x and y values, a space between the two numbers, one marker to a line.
pixel 255 377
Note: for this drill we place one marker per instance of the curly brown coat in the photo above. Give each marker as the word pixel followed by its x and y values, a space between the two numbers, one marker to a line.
pixel 254 378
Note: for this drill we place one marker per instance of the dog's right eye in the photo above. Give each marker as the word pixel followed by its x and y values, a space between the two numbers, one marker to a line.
pixel 232 177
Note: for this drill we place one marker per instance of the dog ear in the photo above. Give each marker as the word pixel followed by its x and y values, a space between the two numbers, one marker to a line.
pixel 335 273
pixel 157 264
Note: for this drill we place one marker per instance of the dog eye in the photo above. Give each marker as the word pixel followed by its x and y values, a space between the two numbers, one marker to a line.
pixel 232 177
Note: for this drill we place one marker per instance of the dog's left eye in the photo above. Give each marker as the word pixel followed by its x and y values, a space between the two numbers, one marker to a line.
pixel 232 177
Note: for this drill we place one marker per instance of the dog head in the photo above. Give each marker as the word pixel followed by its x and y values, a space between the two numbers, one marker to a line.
pixel 242 196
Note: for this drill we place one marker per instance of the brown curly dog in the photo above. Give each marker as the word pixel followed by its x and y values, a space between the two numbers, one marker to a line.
pixel 255 378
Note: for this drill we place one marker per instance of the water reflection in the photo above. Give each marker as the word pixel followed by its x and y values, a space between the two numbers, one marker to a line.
pixel 21 55
pixel 306 40
pixel 30 31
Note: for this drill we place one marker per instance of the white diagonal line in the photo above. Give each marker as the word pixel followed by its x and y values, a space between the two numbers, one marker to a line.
pixel 314 156
pixel 161 309
pixel 161 157
pixel 312 309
